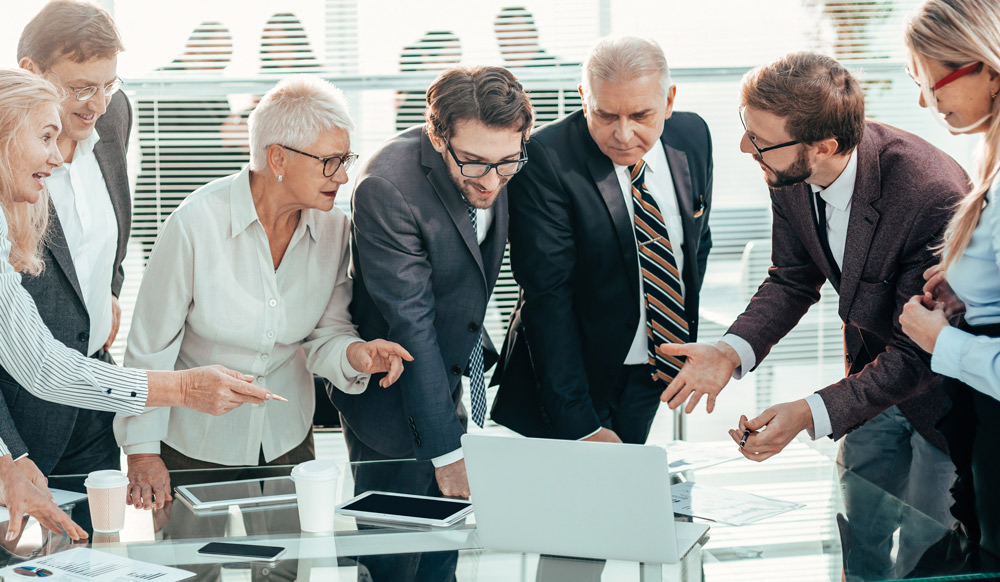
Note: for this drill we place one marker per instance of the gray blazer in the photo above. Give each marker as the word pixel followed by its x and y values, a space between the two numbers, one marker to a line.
pixel 420 279
pixel 29 424
pixel 903 196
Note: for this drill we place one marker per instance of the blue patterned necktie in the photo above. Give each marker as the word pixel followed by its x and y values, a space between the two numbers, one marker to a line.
pixel 477 380
pixel 661 281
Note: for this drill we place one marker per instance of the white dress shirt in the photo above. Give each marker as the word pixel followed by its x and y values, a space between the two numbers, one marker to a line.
pixel 837 196
pixel 484 218
pixel 660 184
pixel 88 220
pixel 211 295
pixel 47 368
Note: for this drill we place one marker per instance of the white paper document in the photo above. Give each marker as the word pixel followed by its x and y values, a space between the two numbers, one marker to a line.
pixel 86 565
pixel 686 456
pixel 725 505
pixel 60 496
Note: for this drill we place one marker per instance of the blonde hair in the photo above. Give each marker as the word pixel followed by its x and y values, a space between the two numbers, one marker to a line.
pixel 957 33
pixel 21 93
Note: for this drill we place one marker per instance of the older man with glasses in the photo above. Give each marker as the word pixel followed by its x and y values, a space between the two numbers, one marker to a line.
pixel 859 204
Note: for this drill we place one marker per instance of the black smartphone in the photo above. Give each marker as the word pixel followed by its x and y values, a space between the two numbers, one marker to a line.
pixel 242 551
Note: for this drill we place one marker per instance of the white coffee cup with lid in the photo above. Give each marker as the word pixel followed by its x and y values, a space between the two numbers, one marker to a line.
pixel 316 492
pixel 106 492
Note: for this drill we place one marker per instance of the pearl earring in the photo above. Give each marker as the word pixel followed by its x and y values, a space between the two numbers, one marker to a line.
pixel 993 94
pixel 280 178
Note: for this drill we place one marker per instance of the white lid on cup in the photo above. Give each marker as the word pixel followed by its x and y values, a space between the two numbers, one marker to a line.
pixel 317 470
pixel 107 479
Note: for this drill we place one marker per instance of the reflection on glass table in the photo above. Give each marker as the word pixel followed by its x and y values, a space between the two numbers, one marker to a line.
pixel 801 545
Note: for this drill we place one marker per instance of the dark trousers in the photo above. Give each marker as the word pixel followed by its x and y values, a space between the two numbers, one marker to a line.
pixel 631 404
pixel 91 445
pixel 173 459
pixel 416 478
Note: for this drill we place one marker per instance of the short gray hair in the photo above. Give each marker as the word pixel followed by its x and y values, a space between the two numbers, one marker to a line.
pixel 624 58
pixel 294 113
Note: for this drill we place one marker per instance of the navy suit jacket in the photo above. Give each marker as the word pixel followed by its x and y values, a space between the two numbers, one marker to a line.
pixel 421 280
pixel 573 253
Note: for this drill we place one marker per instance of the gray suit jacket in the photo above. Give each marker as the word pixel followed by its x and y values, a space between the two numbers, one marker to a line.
pixel 29 424
pixel 903 196
pixel 420 279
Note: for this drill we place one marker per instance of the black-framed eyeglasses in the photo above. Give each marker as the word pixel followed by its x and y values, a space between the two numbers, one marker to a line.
pixel 761 151
pixel 331 164
pixel 480 169
pixel 84 93
pixel 950 77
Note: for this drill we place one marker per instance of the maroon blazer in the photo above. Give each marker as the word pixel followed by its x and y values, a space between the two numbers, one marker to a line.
pixel 903 196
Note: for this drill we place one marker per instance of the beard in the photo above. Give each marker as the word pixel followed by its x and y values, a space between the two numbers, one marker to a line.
pixel 469 190
pixel 797 173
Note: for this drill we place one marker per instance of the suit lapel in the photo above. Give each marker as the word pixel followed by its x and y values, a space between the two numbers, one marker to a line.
pixel 680 172
pixel 496 241
pixel 862 223
pixel 59 248
pixel 450 197
pixel 116 180
pixel 603 172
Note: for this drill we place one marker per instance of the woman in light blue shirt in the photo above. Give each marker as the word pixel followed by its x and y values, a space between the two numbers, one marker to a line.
pixel 954 50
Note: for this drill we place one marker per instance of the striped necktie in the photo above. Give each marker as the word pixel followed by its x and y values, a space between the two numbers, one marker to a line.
pixel 477 379
pixel 665 316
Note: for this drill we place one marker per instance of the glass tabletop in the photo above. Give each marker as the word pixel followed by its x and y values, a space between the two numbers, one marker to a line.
pixel 805 544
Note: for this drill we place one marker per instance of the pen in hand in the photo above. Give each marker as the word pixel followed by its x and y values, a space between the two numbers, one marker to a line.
pixel 746 434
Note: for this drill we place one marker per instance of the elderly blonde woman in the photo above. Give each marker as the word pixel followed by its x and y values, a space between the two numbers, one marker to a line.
pixel 29 126
pixel 251 272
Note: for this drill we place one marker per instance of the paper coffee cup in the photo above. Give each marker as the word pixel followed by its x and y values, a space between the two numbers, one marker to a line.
pixel 106 496
pixel 316 490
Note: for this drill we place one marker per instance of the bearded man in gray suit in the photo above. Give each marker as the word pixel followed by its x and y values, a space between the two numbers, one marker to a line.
pixel 75 45
pixel 860 204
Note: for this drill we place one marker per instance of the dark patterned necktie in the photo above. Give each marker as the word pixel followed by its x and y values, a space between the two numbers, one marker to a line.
pixel 477 380
pixel 665 316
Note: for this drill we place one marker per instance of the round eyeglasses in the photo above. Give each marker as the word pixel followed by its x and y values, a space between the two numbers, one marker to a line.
pixel 84 93
pixel 331 164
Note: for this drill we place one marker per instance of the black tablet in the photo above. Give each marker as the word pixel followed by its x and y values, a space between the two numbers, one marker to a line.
pixel 409 509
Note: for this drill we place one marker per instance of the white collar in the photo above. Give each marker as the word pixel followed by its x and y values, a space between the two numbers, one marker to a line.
pixel 655 158
pixel 839 193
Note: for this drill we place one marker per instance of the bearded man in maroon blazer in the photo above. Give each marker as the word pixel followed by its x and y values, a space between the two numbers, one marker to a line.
pixel 860 204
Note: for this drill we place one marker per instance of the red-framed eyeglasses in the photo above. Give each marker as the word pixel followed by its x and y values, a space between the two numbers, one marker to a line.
pixel 950 77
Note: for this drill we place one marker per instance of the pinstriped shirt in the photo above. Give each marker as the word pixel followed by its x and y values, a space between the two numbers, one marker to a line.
pixel 47 368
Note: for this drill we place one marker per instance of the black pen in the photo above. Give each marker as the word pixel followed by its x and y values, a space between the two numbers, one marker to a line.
pixel 743 440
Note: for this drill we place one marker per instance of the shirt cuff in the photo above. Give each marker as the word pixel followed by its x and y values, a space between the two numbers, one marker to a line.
pixel 747 358
pixel 821 418
pixel 948 349
pixel 21 457
pixel 360 379
pixel 448 458
pixel 150 448
pixel 585 437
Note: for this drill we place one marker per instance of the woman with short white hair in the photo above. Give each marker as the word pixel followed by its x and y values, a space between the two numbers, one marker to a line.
pixel 29 126
pixel 251 271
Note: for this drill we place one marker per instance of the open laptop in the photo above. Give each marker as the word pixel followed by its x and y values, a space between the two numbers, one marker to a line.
pixel 574 498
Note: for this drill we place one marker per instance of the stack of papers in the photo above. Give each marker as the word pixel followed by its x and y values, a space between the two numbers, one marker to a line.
pixel 725 505
pixel 686 456
pixel 86 565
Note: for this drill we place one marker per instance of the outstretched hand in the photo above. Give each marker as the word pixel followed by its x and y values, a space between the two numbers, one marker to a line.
pixel 379 356
pixel 706 372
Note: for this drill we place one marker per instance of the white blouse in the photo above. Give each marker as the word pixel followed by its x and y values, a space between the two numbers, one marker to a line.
pixel 211 295
pixel 47 368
